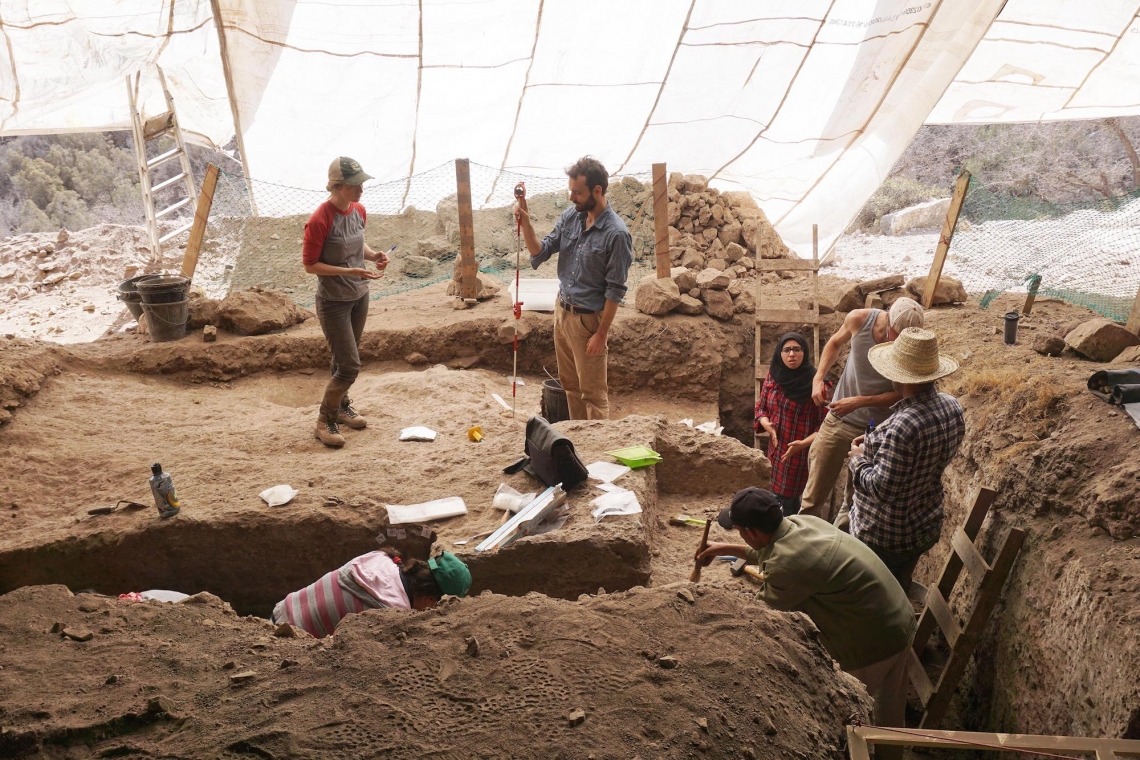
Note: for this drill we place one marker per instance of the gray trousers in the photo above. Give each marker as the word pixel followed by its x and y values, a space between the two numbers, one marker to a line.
pixel 342 322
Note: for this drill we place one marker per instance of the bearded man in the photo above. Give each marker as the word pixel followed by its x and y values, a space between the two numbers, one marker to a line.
pixel 595 251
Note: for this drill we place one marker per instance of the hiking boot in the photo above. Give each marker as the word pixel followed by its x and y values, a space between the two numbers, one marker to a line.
pixel 347 416
pixel 328 431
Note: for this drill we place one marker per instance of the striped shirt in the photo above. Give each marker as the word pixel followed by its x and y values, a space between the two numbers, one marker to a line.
pixel 897 500
pixel 319 607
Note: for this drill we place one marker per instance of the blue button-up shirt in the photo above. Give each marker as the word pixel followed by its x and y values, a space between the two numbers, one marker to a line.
pixel 592 263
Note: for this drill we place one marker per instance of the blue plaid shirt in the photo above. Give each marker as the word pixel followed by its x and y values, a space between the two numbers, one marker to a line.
pixel 592 263
pixel 897 503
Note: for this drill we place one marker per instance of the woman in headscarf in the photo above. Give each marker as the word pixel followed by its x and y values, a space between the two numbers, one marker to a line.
pixel 785 410
pixel 377 579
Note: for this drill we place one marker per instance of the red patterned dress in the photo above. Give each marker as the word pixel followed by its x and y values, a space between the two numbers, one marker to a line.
pixel 794 421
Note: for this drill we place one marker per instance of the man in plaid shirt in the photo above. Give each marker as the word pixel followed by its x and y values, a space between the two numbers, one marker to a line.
pixel 897 468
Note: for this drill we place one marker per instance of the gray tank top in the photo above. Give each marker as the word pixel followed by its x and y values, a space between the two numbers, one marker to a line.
pixel 859 378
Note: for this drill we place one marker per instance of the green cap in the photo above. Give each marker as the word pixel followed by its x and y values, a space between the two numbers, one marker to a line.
pixel 451 574
pixel 348 171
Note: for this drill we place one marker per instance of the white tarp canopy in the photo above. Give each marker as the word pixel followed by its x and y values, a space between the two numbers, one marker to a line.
pixel 804 103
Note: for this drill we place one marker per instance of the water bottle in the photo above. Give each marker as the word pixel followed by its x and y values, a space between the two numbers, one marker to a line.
pixel 162 487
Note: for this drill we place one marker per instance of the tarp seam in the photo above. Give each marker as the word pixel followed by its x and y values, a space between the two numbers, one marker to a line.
pixel 135 33
pixel 15 77
pixel 522 95
pixel 314 50
pixel 1104 58
pixel 416 122
pixel 783 99
pixel 752 21
pixel 661 89
pixel 235 111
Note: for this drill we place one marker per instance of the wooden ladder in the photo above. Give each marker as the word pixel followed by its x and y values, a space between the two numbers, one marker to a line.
pixel 144 132
pixel 786 316
pixel 935 698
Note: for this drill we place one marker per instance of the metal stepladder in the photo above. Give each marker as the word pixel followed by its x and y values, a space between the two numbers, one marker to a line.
pixel 786 316
pixel 144 132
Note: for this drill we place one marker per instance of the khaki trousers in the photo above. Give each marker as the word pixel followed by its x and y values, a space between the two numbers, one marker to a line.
pixel 582 376
pixel 887 684
pixel 826 456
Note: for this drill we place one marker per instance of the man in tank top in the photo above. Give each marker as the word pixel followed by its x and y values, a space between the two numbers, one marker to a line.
pixel 860 396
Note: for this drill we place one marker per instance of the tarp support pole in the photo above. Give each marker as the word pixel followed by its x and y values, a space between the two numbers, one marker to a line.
pixel 224 52
pixel 201 215
pixel 1134 318
pixel 661 219
pixel 948 228
pixel 468 283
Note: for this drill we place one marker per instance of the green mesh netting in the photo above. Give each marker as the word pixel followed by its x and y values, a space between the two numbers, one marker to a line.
pixel 1085 253
pixel 419 215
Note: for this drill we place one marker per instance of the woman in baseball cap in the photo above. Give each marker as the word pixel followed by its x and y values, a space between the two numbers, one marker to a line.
pixel 377 579
pixel 335 251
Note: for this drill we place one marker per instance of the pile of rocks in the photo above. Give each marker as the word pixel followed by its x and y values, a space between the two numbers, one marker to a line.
pixel 715 240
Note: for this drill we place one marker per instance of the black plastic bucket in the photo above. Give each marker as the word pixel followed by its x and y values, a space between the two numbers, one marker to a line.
pixel 163 288
pixel 554 406
pixel 1010 332
pixel 129 295
pixel 167 321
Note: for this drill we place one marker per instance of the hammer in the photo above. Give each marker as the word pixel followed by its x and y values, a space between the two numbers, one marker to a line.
pixel 741 567
pixel 695 576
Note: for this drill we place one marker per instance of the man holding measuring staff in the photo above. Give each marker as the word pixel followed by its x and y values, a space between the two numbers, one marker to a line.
pixel 595 251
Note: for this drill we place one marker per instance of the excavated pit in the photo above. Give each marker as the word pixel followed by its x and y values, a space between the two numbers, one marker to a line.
pixel 232 418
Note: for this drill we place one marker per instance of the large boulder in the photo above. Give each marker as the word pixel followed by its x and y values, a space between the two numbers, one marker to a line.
pixel 761 238
pixel 1047 345
pixel 1129 357
pixel 693 259
pixel 730 234
pixel 257 311
pixel 744 302
pixel 435 247
pixel 718 303
pixel 684 278
pixel 713 279
pixel 882 283
pixel 486 286
pixel 922 216
pixel 417 266
pixel 689 305
pixel 1101 340
pixel 203 311
pixel 835 296
pixel 948 290
pixel 656 295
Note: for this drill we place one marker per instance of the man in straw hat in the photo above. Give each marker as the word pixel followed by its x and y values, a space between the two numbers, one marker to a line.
pixel 861 396
pixel 896 508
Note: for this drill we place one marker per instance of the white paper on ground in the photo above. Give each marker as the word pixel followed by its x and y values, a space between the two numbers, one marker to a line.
pixel 278 495
pixel 604 486
pixel 687 421
pixel 710 427
pixel 502 403
pixel 452 506
pixel 162 595
pixel 618 502
pixel 607 472
pixel 417 433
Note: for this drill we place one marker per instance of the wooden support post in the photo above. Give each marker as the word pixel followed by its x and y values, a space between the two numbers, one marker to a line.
pixel 860 737
pixel 201 216
pixel 1134 318
pixel 468 284
pixel 814 288
pixel 948 228
pixel 661 219
pixel 1034 284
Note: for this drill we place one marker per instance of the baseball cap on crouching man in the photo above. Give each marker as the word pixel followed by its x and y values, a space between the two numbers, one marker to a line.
pixel 348 171
pixel 752 508
pixel 451 574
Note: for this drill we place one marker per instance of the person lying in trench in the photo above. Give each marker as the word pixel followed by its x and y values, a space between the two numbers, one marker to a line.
pixel 377 579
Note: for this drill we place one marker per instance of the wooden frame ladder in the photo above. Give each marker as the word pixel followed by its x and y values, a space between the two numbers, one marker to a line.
pixel 935 698
pixel 786 316
pixel 152 129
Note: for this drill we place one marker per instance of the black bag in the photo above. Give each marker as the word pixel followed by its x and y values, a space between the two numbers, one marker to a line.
pixel 552 456
pixel 1116 386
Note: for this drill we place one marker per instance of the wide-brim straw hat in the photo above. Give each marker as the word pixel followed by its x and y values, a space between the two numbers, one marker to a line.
pixel 912 358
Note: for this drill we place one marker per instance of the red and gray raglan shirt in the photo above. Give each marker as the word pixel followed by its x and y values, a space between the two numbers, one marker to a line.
pixel 336 238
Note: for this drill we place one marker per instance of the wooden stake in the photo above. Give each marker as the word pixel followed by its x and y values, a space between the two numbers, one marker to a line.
pixel 201 216
pixel 661 219
pixel 695 576
pixel 814 288
pixel 468 284
pixel 948 228
pixel 1034 284
pixel 1133 325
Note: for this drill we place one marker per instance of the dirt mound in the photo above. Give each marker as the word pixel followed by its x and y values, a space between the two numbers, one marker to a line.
pixel 256 312
pixel 195 680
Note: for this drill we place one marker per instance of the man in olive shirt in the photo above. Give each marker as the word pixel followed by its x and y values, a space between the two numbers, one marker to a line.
pixel 864 619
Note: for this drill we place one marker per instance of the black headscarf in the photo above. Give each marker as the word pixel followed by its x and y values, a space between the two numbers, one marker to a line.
pixel 796 383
